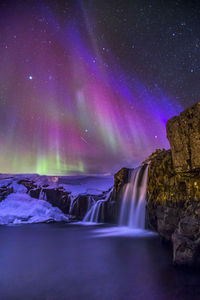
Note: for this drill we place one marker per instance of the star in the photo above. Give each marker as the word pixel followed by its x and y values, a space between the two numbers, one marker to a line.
pixel 78 72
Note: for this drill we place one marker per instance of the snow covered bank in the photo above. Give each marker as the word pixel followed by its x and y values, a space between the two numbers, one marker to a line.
pixel 20 208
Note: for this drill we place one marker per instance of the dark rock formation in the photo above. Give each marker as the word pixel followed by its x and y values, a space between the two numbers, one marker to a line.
pixel 121 178
pixel 59 198
pixel 5 191
pixel 184 250
pixel 112 206
pixel 35 193
pixel 111 210
pixel 81 205
pixel 167 221
pixel 173 207
pixel 29 184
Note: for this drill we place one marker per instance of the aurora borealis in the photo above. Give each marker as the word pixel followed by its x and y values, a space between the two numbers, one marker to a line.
pixel 70 102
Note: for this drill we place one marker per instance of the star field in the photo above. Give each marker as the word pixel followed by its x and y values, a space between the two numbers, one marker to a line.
pixel 88 86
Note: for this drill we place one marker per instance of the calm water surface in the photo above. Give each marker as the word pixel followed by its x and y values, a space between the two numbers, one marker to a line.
pixel 54 261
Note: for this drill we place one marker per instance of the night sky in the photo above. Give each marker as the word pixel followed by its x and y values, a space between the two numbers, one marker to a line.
pixel 88 86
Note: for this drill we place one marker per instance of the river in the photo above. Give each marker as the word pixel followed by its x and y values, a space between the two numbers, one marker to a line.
pixel 75 262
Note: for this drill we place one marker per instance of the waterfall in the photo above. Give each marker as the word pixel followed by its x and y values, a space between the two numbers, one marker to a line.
pixel 132 212
pixel 96 212
pixel 42 195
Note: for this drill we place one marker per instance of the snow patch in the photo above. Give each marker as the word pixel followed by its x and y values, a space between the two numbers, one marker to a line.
pixel 18 188
pixel 20 208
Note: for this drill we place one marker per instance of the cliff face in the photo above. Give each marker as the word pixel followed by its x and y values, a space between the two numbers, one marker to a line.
pixel 183 133
pixel 173 207
pixel 120 179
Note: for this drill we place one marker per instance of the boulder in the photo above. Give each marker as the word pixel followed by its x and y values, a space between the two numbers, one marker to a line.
pixel 112 206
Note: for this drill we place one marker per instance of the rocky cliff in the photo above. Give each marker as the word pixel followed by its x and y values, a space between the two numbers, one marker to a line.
pixel 183 133
pixel 173 207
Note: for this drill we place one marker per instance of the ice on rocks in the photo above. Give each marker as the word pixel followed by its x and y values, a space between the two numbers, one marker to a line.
pixel 20 208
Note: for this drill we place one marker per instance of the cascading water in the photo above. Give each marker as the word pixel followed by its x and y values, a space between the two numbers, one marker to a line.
pixel 42 195
pixel 132 212
pixel 96 212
